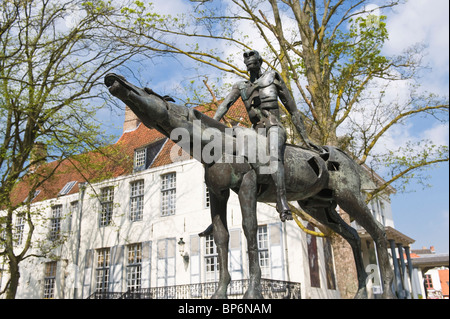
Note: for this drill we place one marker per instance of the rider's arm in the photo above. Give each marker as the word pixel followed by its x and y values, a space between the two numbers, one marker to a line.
pixel 285 95
pixel 227 103
pixel 289 104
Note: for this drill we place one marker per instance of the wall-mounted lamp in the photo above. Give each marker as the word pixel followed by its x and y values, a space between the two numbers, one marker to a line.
pixel 183 254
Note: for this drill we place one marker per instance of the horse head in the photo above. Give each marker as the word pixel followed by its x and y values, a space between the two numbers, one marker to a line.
pixel 151 108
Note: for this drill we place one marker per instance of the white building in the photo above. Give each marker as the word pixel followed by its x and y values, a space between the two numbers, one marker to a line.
pixel 138 231
pixel 430 274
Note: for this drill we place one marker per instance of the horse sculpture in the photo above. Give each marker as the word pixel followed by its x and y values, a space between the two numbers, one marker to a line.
pixel 317 182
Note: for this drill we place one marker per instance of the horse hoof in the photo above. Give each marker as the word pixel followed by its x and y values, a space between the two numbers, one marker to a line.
pixel 220 293
pixel 286 215
pixel 253 295
pixel 361 294
pixel 389 295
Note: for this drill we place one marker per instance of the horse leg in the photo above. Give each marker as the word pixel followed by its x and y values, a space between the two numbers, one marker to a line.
pixel 355 206
pixel 328 216
pixel 247 200
pixel 277 139
pixel 221 238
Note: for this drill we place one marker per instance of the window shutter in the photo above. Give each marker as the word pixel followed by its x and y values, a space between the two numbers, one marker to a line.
pixel 313 257
pixel 329 263
pixel 171 248
pixel 146 264
pixel 194 259
pixel 88 265
pixel 166 262
pixel 116 268
pixel 276 251
pixel 235 259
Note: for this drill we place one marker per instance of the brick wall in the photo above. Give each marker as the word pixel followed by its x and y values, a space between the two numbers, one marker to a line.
pixel 346 275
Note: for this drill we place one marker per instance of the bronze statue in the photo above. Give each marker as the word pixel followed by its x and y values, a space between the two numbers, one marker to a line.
pixel 310 179
pixel 260 96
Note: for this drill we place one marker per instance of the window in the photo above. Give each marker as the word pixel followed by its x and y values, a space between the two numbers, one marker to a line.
pixel 35 194
pixel 20 226
pixel 49 280
pixel 383 220
pixel 107 204
pixel 207 200
pixel 67 188
pixel 428 282
pixel 377 208
pixel 168 194
pixel 140 157
pixel 102 270
pixel 136 200
pixel 270 251
pixel 73 211
pixel 373 209
pixel 143 157
pixel 134 266
pixel 211 263
pixel 55 222
pixel 263 251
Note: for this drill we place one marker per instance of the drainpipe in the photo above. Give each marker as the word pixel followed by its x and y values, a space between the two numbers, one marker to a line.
pixel 286 256
pixel 77 252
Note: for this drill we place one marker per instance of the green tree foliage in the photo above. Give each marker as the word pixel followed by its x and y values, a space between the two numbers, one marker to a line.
pixel 53 56
pixel 331 55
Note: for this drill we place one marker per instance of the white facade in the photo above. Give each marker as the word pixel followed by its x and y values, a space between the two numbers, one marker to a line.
pixel 116 254
pixel 432 283
pixel 123 234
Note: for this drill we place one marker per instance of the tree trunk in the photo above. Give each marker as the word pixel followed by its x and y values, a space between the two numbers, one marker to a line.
pixel 14 279
pixel 346 275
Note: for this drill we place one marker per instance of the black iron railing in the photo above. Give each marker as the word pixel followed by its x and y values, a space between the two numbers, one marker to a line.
pixel 106 295
pixel 271 289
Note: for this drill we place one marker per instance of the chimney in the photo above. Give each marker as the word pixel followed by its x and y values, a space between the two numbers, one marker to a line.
pixel 131 121
pixel 38 156
pixel 432 249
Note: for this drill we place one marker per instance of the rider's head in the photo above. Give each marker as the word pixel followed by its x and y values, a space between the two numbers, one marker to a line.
pixel 252 60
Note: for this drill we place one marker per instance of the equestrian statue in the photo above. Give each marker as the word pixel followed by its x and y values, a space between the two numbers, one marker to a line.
pixel 318 178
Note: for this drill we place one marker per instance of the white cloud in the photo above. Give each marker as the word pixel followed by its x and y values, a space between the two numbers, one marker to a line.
pixel 414 22
pixel 438 134
pixel 418 21
pixel 172 7
pixel 423 21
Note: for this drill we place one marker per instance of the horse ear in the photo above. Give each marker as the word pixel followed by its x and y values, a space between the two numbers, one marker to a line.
pixel 168 98
pixel 149 91
pixel 165 97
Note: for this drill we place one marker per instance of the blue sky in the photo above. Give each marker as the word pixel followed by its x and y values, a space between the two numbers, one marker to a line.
pixel 422 214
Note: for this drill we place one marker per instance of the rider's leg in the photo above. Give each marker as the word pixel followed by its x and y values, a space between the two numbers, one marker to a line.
pixel 277 139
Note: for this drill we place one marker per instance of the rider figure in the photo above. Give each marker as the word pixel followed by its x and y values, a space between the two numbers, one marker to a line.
pixel 260 96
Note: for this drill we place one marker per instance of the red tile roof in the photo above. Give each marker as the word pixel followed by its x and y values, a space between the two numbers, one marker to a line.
pixel 93 166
